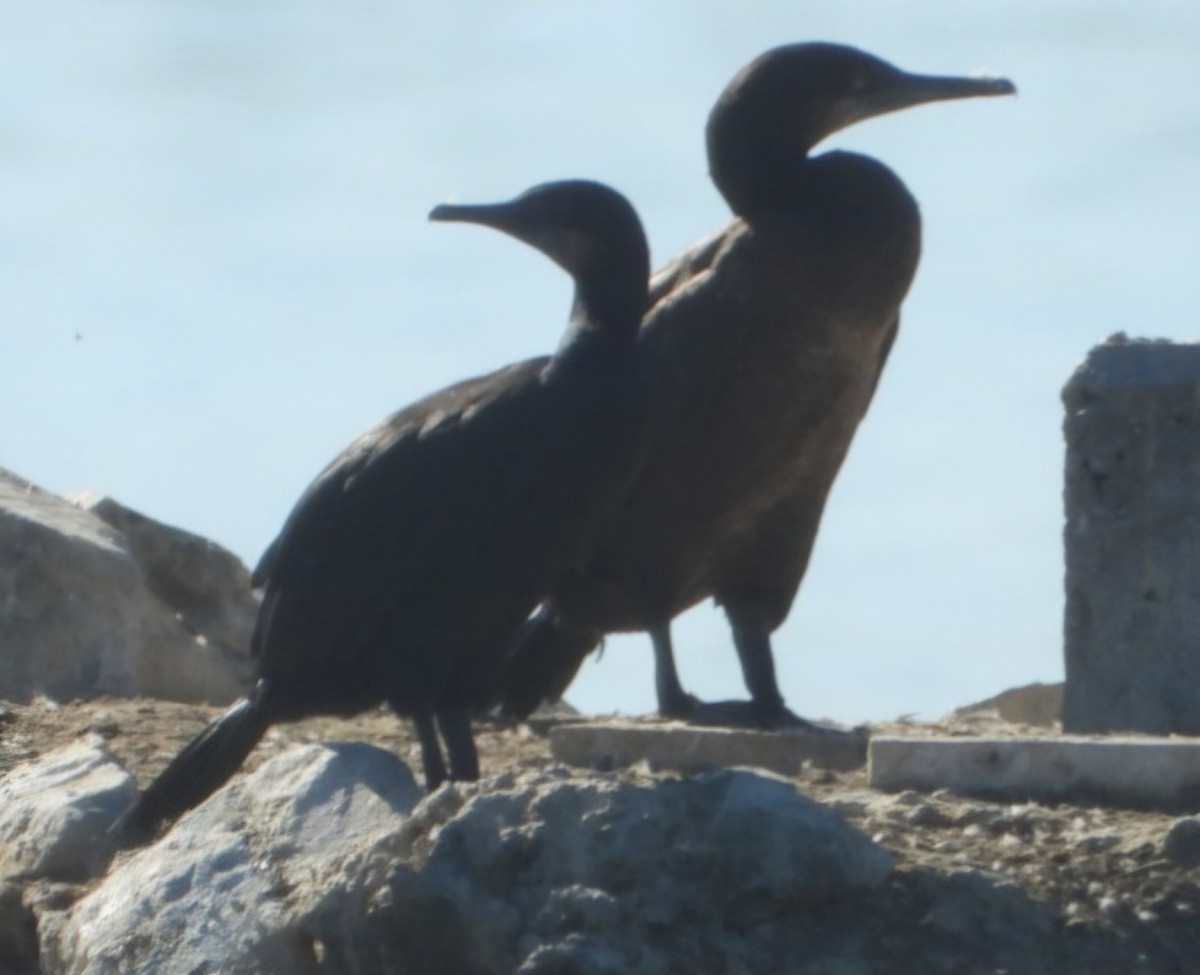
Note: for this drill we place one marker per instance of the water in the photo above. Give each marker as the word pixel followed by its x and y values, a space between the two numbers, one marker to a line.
pixel 216 270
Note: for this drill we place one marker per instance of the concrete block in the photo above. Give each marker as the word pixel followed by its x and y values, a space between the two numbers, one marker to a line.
pixel 691 749
pixel 1132 539
pixel 1131 772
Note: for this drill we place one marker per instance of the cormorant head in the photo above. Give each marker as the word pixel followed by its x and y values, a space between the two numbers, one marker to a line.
pixel 790 98
pixel 587 228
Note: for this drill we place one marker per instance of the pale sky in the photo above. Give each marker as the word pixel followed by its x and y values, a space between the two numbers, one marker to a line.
pixel 217 271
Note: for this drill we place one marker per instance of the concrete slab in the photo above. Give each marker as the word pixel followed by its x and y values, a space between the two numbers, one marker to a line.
pixel 1145 773
pixel 692 749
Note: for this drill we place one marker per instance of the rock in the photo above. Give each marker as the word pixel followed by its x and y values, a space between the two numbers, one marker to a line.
pixel 55 812
pixel 18 933
pixel 970 906
pixel 952 912
pixel 597 875
pixel 206 585
pixel 926 816
pixel 323 861
pixel 1133 521
pixel 80 616
pixel 1182 842
pixel 1097 843
pixel 1034 704
pixel 228 888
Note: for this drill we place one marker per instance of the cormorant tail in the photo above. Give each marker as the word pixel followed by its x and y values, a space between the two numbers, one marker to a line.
pixel 198 771
pixel 548 654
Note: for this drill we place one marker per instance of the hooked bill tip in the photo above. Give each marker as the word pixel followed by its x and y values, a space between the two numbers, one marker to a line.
pixel 992 85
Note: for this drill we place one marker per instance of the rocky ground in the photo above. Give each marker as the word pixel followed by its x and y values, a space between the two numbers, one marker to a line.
pixel 979 886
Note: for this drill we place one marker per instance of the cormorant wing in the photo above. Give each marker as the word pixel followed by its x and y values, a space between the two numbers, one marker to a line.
pixel 468 393
pixel 682 268
pixel 408 488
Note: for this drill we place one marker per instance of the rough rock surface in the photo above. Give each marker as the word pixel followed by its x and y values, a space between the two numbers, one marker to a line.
pixel 1182 843
pixel 55 812
pixel 206 585
pixel 228 889
pixel 1133 539
pixel 313 864
pixel 82 614
pixel 18 932
pixel 977 886
pixel 555 872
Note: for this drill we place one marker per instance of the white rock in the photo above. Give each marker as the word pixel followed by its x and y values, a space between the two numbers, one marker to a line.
pixel 596 875
pixel 226 888
pixel 55 812
pixel 323 861
pixel 207 586
pixel 79 616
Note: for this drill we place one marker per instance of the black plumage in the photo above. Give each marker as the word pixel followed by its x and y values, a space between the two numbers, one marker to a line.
pixel 765 344
pixel 406 569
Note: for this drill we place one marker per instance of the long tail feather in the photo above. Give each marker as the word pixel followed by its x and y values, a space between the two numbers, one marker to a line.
pixel 204 765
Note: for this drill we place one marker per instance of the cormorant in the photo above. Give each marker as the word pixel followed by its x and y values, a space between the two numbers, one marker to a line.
pixel 764 343
pixel 407 568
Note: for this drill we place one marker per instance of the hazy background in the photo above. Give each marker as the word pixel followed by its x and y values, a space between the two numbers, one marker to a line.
pixel 215 270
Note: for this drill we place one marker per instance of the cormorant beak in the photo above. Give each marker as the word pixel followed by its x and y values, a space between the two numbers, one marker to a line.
pixel 513 217
pixel 495 215
pixel 516 219
pixel 917 89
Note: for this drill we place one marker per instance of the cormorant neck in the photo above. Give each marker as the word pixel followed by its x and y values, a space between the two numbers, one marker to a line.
pixel 755 159
pixel 604 323
pixel 757 182
pixel 800 184
pixel 615 306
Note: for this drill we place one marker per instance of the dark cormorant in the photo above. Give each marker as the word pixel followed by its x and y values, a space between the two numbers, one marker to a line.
pixel 407 568
pixel 764 343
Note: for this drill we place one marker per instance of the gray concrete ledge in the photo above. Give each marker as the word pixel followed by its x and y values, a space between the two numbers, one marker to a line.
pixel 692 749
pixel 1132 772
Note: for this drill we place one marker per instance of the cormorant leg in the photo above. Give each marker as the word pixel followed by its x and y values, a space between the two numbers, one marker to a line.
pixel 673 700
pixel 753 643
pixel 431 750
pixel 766 709
pixel 455 725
